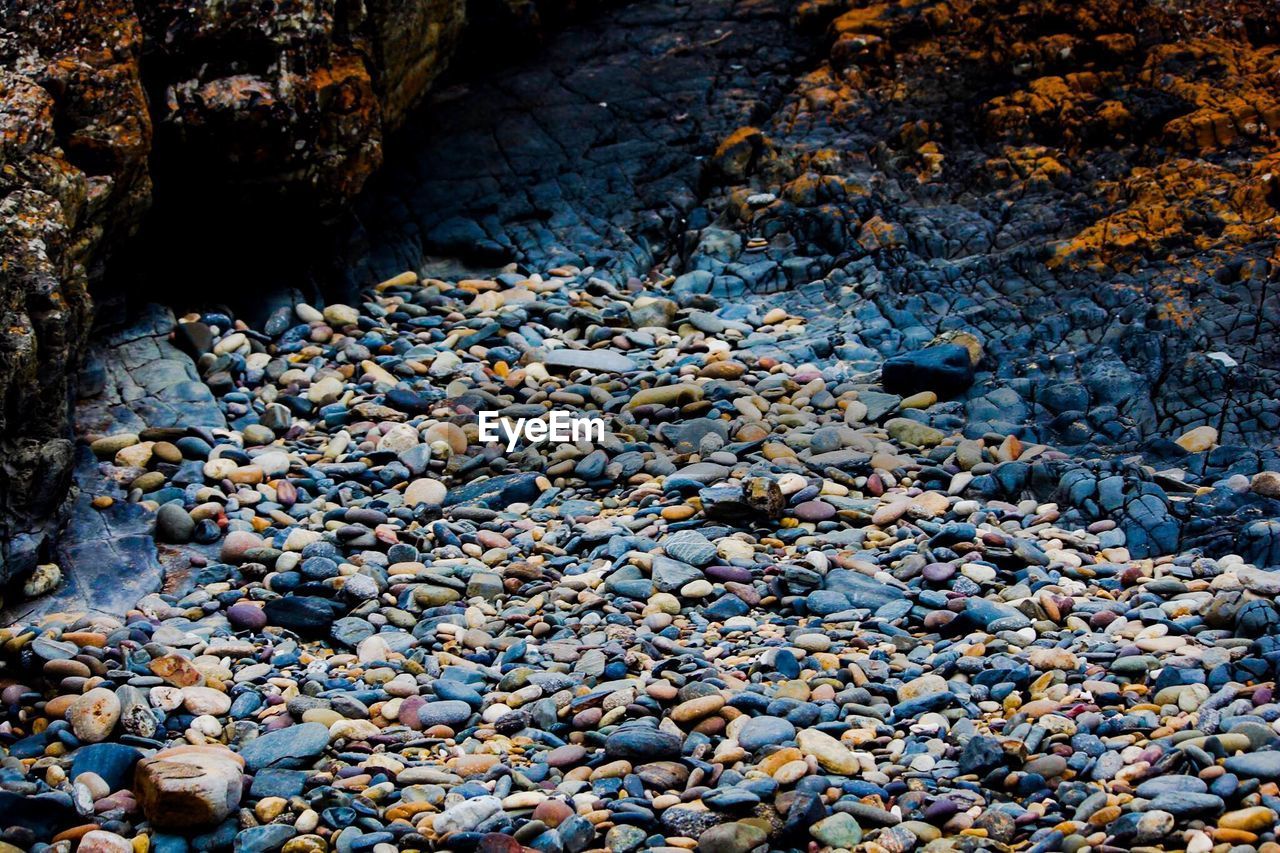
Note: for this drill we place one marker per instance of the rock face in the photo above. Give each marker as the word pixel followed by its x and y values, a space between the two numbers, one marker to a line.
pixel 294 97
pixel 1089 203
pixel 74 137
pixel 1084 209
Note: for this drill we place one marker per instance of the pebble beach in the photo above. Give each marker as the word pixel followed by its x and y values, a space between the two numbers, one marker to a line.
pixel 773 609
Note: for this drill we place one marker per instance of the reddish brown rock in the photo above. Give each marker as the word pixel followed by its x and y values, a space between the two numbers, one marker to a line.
pixel 188 787
pixel 176 670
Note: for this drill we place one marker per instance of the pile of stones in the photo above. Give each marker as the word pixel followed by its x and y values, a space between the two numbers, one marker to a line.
pixel 777 607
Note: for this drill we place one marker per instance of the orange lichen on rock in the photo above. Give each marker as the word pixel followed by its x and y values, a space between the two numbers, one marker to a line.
pixel 877 233
pixel 1027 166
pixel 1231 86
pixel 737 155
pixel 1181 206
pixel 874 19
pixel 1071 108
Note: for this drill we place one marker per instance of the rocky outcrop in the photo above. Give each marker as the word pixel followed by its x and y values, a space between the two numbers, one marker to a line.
pixel 294 100
pixel 74 137
pixel 1087 188
pixel 290 99
pixel 1083 191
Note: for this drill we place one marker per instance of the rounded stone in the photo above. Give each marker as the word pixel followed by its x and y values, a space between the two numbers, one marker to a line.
pixel 94 715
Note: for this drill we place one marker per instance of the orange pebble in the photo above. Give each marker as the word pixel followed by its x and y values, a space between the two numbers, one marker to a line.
pixel 75 833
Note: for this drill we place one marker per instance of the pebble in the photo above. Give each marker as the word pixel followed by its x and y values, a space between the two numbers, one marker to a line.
pixel 840 831
pixel 94 715
pixel 174 524
pixel 1198 440
pixel 292 747
pixel 736 837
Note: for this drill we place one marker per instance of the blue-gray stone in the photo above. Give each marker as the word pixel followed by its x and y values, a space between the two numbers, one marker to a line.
pixel 670 575
pixel 824 602
pixel 308 616
pixel 1183 803
pixel 293 748
pixel 162 842
pixel 730 799
pixel 262 839
pixel 761 731
pixel 913 708
pixel 690 546
pixel 1257 765
pixel 642 742
pixel 946 370
pixel 351 631
pixel 456 690
pixel 449 712
pixel 44 815
pixel 1153 788
pixel 862 591
pixel 576 833
pixel 114 762
pixel 595 360
pixel 496 492
pixel 987 613
pixel 273 782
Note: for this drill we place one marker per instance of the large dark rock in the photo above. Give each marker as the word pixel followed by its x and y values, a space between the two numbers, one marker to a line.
pixel 981 754
pixel 496 492
pixel 290 748
pixel 43 815
pixel 114 762
pixel 946 370
pixel 641 742
pixel 860 590
pixel 306 615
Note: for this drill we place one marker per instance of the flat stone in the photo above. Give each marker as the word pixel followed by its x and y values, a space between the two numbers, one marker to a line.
pixel 642 742
pixel 595 360
pixel 292 748
pixel 765 730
